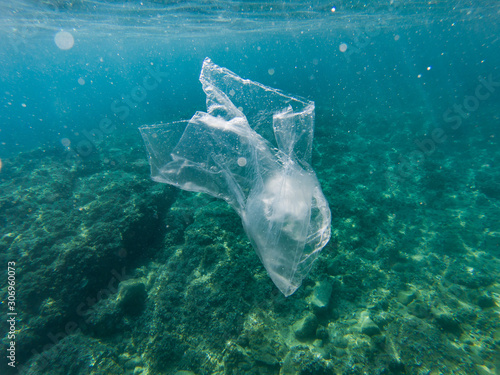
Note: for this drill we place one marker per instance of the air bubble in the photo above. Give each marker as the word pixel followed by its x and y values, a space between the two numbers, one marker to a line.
pixel 242 162
pixel 64 40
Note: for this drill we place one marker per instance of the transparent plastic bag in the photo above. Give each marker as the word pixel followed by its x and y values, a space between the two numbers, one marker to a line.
pixel 251 148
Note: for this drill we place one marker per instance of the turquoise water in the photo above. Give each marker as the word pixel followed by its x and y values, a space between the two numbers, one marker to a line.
pixel 115 273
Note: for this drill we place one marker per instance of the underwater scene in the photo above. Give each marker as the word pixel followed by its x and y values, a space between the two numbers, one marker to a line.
pixel 250 187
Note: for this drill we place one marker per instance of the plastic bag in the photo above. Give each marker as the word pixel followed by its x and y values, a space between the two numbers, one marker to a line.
pixel 251 148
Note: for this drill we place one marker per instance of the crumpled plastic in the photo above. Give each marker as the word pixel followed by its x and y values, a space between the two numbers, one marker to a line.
pixel 252 148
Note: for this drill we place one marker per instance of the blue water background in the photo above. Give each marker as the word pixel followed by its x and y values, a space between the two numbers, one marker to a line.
pixel 410 60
